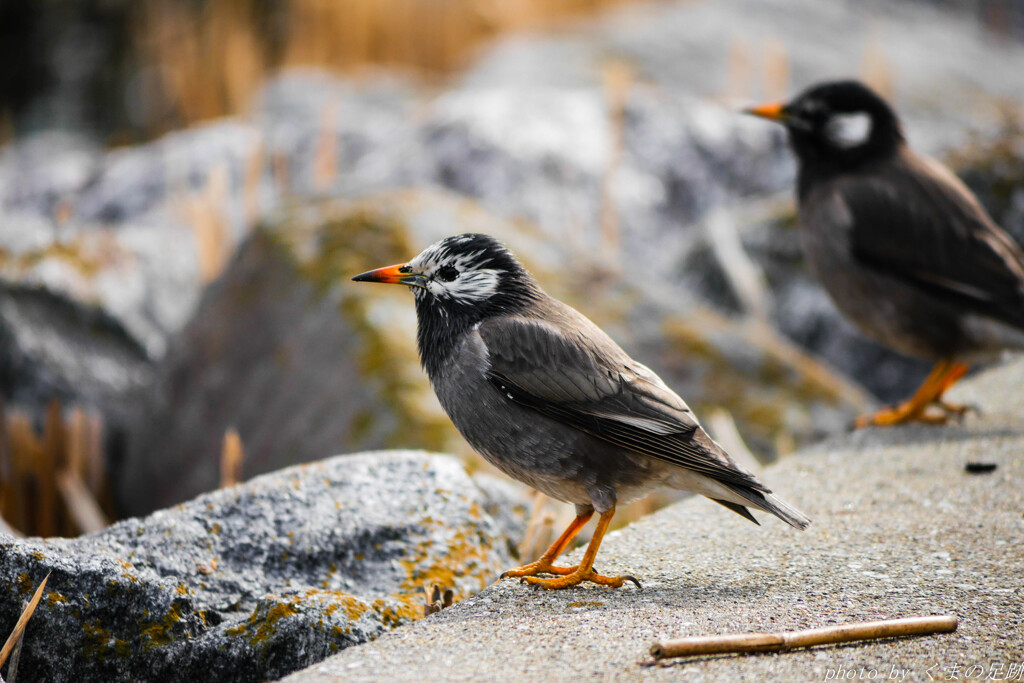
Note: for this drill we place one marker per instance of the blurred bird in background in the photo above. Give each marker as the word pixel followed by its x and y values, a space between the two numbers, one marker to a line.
pixel 902 246
pixel 548 398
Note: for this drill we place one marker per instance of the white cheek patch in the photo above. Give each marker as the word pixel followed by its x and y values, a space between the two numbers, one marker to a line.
pixel 849 130
pixel 468 287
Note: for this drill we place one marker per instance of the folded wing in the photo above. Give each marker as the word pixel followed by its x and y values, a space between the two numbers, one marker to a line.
pixel 577 375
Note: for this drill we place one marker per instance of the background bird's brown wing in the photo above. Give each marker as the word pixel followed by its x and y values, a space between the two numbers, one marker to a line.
pixel 916 221
pixel 577 375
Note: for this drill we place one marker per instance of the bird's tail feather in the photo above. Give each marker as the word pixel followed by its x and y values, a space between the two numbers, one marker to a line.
pixel 776 506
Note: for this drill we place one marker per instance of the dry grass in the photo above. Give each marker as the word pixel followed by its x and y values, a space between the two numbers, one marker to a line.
pixel 204 212
pixel 53 483
pixel 231 457
pixel 210 57
pixel 12 647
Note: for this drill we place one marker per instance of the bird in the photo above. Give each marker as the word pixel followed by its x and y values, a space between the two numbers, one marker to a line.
pixel 902 246
pixel 544 395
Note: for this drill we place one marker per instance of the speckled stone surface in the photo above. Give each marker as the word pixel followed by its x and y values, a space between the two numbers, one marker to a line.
pixel 900 529
pixel 252 582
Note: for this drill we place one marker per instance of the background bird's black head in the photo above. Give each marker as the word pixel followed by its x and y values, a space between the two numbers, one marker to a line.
pixel 460 281
pixel 840 126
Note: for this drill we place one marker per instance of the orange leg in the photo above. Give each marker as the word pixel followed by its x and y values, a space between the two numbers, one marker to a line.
pixel 545 564
pixel 584 571
pixel 944 375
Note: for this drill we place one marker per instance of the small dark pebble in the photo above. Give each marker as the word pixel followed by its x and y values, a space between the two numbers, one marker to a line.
pixel 980 467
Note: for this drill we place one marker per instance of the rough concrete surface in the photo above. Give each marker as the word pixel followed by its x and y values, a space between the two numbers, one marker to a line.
pixel 899 529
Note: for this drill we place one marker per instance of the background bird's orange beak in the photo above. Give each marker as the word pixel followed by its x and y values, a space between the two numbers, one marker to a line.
pixel 397 274
pixel 774 111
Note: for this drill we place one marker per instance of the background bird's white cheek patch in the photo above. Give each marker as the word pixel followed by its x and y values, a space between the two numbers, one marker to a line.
pixel 849 130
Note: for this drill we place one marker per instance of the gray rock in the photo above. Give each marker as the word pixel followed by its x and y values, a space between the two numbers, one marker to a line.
pixel 252 582
pixel 276 355
pixel 52 348
pixel 725 51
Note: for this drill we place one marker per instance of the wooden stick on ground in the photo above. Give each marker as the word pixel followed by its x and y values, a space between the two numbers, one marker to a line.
pixel 776 642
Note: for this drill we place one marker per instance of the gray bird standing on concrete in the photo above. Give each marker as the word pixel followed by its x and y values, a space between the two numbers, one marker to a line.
pixel 549 399
pixel 902 246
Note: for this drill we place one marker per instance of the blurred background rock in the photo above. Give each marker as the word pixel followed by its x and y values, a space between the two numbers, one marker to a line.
pixel 186 187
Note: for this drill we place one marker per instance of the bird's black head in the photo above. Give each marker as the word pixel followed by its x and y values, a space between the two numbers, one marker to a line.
pixel 457 283
pixel 837 126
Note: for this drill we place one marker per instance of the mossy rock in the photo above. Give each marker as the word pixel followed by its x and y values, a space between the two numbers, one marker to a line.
pixel 252 582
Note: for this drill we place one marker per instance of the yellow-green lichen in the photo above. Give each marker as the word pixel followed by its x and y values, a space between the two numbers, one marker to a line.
pixel 262 624
pixel 159 633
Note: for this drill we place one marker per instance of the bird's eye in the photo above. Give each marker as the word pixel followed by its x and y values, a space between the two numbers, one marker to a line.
pixel 447 274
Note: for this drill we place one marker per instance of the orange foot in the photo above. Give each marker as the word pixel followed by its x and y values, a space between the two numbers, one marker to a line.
pixel 538 567
pixel 545 565
pixel 579 576
pixel 926 405
pixel 584 571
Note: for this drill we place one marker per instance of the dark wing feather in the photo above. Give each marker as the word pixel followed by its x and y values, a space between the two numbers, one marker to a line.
pixel 914 220
pixel 577 375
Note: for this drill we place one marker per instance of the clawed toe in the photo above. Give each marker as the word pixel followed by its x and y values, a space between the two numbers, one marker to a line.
pixel 926 405
pixel 578 577
pixel 959 410
pixel 535 568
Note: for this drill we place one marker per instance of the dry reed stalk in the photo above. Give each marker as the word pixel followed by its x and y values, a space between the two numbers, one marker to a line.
pixel 724 430
pixel 83 508
pixel 54 484
pixel 532 523
pixel 205 215
pixel 251 184
pixel 777 69
pixel 544 536
pixel 231 457
pixel 95 464
pixel 746 278
pixel 618 79
pixel 777 642
pixel 212 56
pixel 19 627
pixel 20 493
pixel 738 79
pixel 325 160
pixel 51 462
pixel 279 166
pixel 78 442
pixel 876 69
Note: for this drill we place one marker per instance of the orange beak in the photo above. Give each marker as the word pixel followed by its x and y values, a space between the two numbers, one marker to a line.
pixel 398 274
pixel 773 111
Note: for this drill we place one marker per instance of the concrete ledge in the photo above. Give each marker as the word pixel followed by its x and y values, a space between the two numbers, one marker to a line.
pixel 900 529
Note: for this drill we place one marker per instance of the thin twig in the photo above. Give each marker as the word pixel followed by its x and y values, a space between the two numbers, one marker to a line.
pixel 19 628
pixel 829 635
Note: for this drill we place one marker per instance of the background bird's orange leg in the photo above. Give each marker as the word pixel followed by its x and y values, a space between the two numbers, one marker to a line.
pixel 584 571
pixel 544 564
pixel 952 377
pixel 944 375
